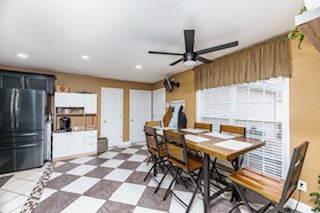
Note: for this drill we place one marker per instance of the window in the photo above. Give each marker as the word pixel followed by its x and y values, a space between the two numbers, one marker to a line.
pixel 263 108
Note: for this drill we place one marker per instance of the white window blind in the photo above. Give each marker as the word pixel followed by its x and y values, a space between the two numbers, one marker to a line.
pixel 259 107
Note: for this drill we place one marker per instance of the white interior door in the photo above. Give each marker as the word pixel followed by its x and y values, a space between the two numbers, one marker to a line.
pixel 158 104
pixel 140 112
pixel 112 115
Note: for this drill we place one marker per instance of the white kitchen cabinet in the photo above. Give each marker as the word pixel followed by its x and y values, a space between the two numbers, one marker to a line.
pixel 69 99
pixel 67 143
pixel 90 103
pixel 60 146
pixel 90 141
pixel 74 143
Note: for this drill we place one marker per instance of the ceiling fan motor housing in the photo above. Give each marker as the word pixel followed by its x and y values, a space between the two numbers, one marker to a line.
pixel 189 56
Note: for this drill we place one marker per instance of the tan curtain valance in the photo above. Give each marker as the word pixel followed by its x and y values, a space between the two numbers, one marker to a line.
pixel 268 59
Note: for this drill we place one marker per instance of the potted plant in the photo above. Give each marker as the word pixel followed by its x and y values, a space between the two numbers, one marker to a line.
pixel 296 33
pixel 316 196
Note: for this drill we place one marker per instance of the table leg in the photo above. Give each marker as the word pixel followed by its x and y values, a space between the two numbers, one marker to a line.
pixel 206 199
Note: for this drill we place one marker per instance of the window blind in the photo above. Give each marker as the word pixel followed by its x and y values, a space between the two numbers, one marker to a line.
pixel 258 106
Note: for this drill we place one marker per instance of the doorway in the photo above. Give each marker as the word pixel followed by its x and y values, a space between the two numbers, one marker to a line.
pixel 112 115
pixel 140 112
pixel 158 104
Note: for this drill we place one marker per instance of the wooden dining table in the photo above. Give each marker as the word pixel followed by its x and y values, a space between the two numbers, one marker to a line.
pixel 218 146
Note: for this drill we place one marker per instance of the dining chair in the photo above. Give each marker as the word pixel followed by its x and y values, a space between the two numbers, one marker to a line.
pixel 236 130
pixel 153 123
pixel 157 152
pixel 181 161
pixel 221 168
pixel 275 190
pixel 205 126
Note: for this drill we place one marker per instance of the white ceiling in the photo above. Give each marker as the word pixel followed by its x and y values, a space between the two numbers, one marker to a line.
pixel 117 34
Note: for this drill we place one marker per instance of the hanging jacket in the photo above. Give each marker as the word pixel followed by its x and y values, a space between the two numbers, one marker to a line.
pixel 167 117
pixel 182 118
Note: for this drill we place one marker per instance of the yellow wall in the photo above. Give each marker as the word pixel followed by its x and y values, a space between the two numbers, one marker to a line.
pixel 305 111
pixel 87 83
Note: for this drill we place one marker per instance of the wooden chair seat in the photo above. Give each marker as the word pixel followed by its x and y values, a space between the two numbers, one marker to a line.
pixel 275 190
pixel 268 186
pixel 193 164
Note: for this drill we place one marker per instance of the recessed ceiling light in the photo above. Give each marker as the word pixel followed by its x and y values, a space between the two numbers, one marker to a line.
pixel 85 57
pixel 138 67
pixel 22 55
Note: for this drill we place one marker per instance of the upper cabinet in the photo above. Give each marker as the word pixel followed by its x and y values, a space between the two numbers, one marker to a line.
pixel 68 99
pixel 12 80
pixel 20 80
pixel 90 103
pixel 40 82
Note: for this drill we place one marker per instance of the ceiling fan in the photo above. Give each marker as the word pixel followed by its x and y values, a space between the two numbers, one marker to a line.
pixel 189 57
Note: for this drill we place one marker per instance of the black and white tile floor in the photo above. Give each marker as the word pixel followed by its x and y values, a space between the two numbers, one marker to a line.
pixel 109 182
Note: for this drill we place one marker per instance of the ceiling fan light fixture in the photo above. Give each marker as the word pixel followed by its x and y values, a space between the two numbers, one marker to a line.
pixel 189 63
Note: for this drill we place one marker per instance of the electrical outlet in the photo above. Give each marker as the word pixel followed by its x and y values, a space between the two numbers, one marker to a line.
pixel 302 185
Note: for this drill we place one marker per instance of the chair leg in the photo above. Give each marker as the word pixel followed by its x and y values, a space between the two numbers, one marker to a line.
pixel 243 198
pixel 197 185
pixel 172 182
pixel 149 157
pixel 149 172
pixel 165 174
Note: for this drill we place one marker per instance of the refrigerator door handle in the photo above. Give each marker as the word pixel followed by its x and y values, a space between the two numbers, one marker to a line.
pixel 26 134
pixel 11 109
pixel 17 108
pixel 18 147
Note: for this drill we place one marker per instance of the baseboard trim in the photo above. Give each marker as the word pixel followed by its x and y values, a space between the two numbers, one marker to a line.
pixel 291 203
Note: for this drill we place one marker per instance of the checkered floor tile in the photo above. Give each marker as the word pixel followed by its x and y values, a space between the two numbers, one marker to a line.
pixel 113 182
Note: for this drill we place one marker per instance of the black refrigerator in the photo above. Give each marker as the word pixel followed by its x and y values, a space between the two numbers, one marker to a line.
pixel 22 129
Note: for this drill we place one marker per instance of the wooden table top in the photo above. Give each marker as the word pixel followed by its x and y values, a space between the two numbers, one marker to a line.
pixel 209 147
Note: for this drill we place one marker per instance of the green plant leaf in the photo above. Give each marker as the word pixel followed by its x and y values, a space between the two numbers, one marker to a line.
pixel 314 194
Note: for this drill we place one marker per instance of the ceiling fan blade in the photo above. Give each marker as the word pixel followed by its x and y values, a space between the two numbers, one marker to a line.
pixel 202 59
pixel 174 63
pixel 220 47
pixel 164 53
pixel 189 40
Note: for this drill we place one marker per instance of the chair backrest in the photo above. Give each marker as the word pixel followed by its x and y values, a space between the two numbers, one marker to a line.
pixel 294 172
pixel 152 140
pixel 233 129
pixel 153 123
pixel 176 146
pixel 203 126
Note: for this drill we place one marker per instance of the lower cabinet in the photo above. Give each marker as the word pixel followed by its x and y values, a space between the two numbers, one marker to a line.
pixel 74 143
